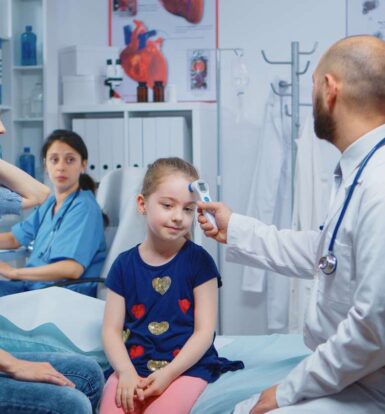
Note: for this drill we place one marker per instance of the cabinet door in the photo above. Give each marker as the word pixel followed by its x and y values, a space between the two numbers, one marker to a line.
pixel 5 19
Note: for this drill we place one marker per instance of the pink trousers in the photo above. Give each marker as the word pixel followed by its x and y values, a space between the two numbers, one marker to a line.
pixel 178 398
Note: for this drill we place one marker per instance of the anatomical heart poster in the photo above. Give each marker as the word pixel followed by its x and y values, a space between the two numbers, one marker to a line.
pixel 172 41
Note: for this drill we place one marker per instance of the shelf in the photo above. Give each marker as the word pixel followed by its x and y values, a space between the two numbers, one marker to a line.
pixel 136 107
pixel 28 68
pixel 4 108
pixel 28 120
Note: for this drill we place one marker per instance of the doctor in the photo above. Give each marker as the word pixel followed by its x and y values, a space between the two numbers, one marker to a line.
pixel 66 230
pixel 345 321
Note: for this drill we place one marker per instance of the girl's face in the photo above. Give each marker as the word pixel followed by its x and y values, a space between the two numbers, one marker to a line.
pixel 64 166
pixel 2 128
pixel 170 209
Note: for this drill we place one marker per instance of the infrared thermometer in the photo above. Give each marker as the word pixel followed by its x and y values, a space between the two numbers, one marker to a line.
pixel 201 190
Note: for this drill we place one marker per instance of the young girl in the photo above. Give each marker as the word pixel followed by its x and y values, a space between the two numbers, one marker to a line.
pixel 66 230
pixel 163 295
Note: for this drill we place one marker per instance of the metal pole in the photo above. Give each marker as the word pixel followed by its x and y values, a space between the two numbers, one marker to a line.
pixel 295 122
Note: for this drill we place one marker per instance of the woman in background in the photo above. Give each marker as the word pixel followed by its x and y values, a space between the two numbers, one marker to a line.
pixel 48 382
pixel 66 230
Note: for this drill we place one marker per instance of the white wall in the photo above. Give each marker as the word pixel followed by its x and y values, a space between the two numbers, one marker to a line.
pixel 254 25
pixel 70 22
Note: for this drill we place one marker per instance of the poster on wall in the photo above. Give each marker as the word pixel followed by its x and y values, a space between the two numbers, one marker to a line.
pixel 366 17
pixel 171 41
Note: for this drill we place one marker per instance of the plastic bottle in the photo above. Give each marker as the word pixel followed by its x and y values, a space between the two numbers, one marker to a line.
pixel 28 47
pixel 36 101
pixel 142 92
pixel 158 91
pixel 27 161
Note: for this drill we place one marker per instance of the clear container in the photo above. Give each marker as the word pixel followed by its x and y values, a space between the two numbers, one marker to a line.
pixel 28 47
pixel 36 101
pixel 27 161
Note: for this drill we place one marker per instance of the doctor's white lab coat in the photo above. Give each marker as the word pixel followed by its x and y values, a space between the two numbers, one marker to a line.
pixel 345 321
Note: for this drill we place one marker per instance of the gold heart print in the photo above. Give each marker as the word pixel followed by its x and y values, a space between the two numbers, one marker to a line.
pixel 161 284
pixel 155 365
pixel 157 328
pixel 125 334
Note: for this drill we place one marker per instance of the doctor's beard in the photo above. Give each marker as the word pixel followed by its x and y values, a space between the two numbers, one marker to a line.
pixel 324 124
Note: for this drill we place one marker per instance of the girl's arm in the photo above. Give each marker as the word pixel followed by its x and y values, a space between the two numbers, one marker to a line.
pixel 128 379
pixel 63 269
pixel 32 191
pixel 205 315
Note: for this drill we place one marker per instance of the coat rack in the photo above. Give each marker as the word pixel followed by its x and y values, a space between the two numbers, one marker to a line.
pixel 294 94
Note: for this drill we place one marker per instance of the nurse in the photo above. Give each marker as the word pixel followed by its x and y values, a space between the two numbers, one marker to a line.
pixel 66 232
pixel 345 320
pixel 41 382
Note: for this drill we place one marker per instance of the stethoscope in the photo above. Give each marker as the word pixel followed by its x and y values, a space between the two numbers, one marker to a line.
pixel 45 253
pixel 328 263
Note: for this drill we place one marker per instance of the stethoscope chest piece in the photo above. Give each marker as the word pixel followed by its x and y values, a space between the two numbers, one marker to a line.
pixel 328 263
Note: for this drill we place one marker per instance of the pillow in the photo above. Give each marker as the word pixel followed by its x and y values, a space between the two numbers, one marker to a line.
pixel 52 320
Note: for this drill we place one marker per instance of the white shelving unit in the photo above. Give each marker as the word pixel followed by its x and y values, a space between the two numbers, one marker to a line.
pixel 19 81
pixel 201 122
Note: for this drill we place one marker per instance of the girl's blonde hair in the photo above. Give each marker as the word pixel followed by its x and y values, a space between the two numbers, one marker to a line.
pixel 163 167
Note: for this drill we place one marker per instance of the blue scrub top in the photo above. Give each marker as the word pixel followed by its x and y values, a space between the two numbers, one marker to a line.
pixel 79 237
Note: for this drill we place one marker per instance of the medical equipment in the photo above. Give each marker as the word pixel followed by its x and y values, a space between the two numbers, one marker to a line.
pixel 45 253
pixel 114 77
pixel 201 189
pixel 328 263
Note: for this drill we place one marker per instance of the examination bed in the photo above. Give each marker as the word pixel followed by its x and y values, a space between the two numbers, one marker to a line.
pixel 35 321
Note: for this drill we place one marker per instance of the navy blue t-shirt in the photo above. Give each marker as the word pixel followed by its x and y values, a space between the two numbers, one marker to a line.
pixel 160 309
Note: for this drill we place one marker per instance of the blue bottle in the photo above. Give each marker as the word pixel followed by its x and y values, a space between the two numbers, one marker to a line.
pixel 28 47
pixel 27 161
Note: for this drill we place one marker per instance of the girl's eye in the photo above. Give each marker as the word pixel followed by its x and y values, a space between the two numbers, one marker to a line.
pixel 53 160
pixel 70 160
pixel 189 209
pixel 166 205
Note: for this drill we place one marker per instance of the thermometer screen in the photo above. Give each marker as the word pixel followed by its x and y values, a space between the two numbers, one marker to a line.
pixel 202 187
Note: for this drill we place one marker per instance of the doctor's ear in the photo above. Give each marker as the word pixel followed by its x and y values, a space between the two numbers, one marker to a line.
pixel 140 204
pixel 331 90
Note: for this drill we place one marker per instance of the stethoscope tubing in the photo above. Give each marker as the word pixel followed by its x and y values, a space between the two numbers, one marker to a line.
pixel 346 204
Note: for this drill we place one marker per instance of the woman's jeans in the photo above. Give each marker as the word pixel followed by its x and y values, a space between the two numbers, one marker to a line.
pixel 18 397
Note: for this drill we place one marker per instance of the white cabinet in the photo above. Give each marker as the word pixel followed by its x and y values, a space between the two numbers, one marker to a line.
pixel 137 134
pixel 25 127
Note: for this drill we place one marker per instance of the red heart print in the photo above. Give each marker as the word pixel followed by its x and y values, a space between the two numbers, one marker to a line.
pixel 175 352
pixel 138 310
pixel 136 351
pixel 184 305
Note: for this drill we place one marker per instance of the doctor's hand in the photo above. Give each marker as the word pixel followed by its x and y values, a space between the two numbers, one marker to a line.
pixel 7 271
pixel 222 216
pixel 267 401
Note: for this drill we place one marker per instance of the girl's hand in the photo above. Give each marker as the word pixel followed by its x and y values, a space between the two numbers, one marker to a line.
pixel 156 383
pixel 127 390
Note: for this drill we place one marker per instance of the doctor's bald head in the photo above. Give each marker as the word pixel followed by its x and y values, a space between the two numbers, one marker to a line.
pixel 358 65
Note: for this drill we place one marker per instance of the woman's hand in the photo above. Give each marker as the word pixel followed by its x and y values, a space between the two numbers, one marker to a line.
pixel 129 388
pixel 38 372
pixel 156 383
pixel 7 271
